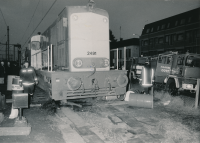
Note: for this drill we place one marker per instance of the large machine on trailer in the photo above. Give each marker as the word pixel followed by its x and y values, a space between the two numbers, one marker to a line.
pixel 71 57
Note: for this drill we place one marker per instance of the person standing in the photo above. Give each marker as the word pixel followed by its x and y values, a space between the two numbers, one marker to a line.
pixel 3 71
pixel 8 69
pixel 28 79
pixel 15 69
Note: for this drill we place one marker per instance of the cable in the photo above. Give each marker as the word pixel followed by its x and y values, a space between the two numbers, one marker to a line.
pixel 3 17
pixel 30 20
pixel 40 21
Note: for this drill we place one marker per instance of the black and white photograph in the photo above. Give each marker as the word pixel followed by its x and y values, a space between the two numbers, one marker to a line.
pixel 99 71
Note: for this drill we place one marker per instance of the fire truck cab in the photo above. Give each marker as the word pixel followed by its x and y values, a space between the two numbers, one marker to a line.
pixel 178 71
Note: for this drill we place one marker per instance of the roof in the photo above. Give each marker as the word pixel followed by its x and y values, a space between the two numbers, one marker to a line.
pixel 124 43
pixel 170 22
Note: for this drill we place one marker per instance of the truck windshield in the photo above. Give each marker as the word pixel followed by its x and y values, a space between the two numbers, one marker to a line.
pixel 193 61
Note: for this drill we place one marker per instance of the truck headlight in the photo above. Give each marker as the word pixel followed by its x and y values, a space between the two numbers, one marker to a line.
pixel 189 86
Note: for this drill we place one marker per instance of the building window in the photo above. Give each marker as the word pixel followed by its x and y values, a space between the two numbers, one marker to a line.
pixel 174 37
pixel 158 28
pixel 180 37
pixel 189 19
pixel 151 29
pixel 156 40
pixel 150 41
pixel 120 54
pixel 141 43
pixel 197 33
pixel 189 36
pixel 182 21
pixel 160 40
pixel 128 53
pixel 146 42
pixel 147 31
pixel 180 60
pixel 163 26
pixel 167 39
pixel 168 25
pixel 176 23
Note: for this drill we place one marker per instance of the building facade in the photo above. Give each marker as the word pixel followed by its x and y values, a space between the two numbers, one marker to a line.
pixel 122 52
pixel 177 33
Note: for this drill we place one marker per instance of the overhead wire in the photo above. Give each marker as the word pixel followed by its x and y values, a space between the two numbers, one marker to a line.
pixel 4 22
pixel 41 21
pixel 30 20
pixel 3 17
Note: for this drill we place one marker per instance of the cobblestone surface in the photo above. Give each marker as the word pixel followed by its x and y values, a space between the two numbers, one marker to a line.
pixel 108 121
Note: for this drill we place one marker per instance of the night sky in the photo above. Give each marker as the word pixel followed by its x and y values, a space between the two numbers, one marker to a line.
pixel 131 15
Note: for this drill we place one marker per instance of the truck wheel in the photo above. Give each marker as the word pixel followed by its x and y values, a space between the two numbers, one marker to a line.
pixel 171 88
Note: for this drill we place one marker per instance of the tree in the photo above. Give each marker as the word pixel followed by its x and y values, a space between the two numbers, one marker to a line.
pixel 112 37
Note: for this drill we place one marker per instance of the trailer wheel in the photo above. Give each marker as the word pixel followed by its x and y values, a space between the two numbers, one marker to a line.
pixel 171 87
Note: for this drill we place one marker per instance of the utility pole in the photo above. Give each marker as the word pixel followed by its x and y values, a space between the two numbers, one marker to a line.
pixel 8 41
pixel 6 51
pixel 14 53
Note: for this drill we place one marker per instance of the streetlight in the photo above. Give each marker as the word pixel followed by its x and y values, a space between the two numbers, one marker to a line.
pixel 136 35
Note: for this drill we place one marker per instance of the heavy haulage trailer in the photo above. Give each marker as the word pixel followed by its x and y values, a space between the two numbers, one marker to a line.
pixel 72 56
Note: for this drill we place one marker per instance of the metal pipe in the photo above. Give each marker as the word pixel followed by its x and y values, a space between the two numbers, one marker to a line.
pixel 6 51
pixel 48 58
pixel 8 40
pixel 117 58
pixel 124 58
pixel 51 57
pixel 139 100
pixel 20 113
pixel 103 89
pixel 14 52
pixel 91 93
pixel 197 94
pixel 78 97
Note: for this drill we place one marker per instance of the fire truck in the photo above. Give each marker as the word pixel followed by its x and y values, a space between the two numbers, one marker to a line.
pixel 176 71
